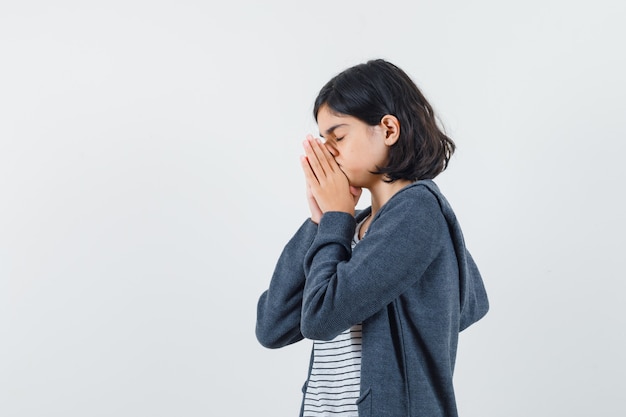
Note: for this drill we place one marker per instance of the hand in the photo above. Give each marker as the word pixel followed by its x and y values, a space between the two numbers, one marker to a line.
pixel 316 212
pixel 356 194
pixel 327 185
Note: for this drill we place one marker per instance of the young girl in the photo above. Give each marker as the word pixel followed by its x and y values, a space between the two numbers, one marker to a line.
pixel 384 292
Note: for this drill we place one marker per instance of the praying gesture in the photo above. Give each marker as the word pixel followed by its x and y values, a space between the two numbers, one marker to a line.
pixel 328 188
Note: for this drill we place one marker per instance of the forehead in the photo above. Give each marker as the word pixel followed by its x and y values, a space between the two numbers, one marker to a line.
pixel 328 121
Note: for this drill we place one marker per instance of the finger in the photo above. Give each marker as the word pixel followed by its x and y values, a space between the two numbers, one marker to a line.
pixel 356 191
pixel 356 194
pixel 331 149
pixel 309 175
pixel 324 157
pixel 331 154
pixel 313 159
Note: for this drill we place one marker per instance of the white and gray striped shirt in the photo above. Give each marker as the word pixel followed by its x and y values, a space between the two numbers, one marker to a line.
pixel 335 380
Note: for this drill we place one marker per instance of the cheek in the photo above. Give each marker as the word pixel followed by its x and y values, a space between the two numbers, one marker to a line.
pixel 378 154
pixel 355 159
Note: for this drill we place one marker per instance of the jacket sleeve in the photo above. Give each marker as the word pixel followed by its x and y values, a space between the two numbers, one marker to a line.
pixel 344 287
pixel 280 306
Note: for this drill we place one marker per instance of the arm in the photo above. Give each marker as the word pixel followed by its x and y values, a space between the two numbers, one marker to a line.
pixel 344 288
pixel 279 308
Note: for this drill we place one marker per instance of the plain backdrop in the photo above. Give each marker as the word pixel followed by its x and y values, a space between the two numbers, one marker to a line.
pixel 149 178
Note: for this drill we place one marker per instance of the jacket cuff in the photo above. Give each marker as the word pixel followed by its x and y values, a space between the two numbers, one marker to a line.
pixel 337 223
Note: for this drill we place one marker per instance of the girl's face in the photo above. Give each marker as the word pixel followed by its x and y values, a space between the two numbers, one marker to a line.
pixel 357 147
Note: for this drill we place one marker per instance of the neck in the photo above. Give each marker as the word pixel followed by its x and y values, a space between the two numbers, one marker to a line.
pixel 382 191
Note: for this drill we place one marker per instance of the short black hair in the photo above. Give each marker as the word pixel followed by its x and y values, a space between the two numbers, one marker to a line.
pixel 377 88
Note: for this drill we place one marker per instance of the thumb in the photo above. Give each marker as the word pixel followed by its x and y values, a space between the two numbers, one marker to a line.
pixel 356 194
pixel 356 191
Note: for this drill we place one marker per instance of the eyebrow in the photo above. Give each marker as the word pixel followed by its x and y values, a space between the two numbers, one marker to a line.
pixel 332 128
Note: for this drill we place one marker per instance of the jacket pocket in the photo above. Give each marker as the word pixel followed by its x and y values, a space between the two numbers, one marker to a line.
pixel 365 403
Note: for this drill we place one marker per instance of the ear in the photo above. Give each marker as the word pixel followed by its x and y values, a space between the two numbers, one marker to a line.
pixel 391 127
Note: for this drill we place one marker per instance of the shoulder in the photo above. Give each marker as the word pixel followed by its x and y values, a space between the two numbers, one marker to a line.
pixel 413 211
pixel 420 196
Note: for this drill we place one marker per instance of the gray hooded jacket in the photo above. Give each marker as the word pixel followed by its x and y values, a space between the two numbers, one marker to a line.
pixel 412 284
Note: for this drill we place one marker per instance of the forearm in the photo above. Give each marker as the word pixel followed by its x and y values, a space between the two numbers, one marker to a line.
pixel 279 307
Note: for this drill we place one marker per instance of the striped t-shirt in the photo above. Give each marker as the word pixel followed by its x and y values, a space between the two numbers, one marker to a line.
pixel 335 379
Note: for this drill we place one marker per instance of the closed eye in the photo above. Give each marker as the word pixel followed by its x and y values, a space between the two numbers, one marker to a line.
pixel 339 139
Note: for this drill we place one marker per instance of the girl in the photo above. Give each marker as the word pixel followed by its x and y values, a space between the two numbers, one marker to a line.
pixel 384 292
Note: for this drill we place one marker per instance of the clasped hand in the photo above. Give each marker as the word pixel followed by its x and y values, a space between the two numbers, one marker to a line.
pixel 328 188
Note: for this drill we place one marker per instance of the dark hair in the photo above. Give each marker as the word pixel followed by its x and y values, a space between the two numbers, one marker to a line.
pixel 377 88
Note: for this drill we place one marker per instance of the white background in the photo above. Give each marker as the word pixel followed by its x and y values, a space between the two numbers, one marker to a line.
pixel 149 179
